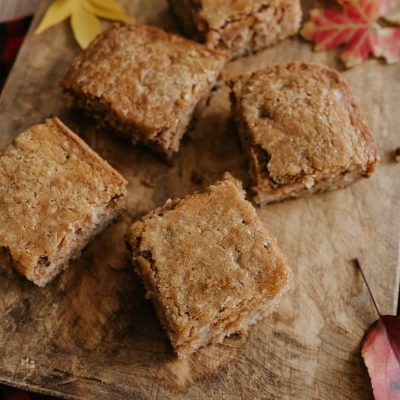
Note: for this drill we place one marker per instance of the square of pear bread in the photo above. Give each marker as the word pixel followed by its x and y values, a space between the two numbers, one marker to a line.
pixel 302 131
pixel 239 26
pixel 145 83
pixel 208 264
pixel 56 193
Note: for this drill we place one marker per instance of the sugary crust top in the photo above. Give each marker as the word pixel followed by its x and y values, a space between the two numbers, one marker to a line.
pixel 218 13
pixel 148 78
pixel 49 181
pixel 305 118
pixel 210 254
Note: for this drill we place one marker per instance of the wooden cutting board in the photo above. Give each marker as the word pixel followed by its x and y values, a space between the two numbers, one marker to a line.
pixel 92 335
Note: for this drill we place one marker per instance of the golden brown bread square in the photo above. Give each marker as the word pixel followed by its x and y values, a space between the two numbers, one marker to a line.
pixel 145 83
pixel 302 131
pixel 55 194
pixel 240 26
pixel 209 265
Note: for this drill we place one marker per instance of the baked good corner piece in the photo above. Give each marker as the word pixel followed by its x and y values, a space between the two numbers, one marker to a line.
pixel 55 194
pixel 208 264
pixel 240 26
pixel 302 131
pixel 145 83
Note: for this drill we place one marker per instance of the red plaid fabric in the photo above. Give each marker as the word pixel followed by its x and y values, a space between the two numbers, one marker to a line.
pixel 12 35
pixel 13 394
pixel 7 393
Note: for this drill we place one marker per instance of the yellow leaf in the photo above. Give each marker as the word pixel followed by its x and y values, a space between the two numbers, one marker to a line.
pixel 107 9
pixel 109 5
pixel 85 26
pixel 56 13
pixel 83 14
pixel 111 13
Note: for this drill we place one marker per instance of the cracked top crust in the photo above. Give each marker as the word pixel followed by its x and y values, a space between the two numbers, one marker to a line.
pixel 204 256
pixel 305 120
pixel 50 183
pixel 148 79
pixel 218 13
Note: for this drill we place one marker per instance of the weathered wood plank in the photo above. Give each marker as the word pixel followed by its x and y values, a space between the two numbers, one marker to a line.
pixel 91 334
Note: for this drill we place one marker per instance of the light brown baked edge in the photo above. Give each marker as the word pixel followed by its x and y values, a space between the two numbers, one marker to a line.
pixel 245 315
pixel 41 274
pixel 89 152
pixel 239 320
pixel 167 140
pixel 264 190
pixel 105 117
pixel 226 38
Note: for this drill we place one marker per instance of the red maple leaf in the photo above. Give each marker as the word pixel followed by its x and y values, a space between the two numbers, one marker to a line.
pixel 356 25
pixel 381 352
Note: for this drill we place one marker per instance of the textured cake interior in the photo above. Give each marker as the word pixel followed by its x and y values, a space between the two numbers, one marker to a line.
pixel 266 191
pixel 72 244
pixel 242 27
pixel 208 264
pixel 69 248
pixel 165 143
pixel 145 83
pixel 302 131
pixel 55 194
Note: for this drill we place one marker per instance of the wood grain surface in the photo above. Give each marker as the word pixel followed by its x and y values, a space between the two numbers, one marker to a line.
pixel 13 9
pixel 92 335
